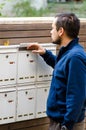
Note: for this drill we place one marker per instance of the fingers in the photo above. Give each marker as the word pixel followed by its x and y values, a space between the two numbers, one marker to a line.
pixel 36 48
pixel 33 46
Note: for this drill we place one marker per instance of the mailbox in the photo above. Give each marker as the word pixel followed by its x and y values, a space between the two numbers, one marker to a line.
pixel 7 105
pixel 26 101
pixel 41 99
pixel 26 67
pixel 8 66
pixel 44 71
pixel 24 83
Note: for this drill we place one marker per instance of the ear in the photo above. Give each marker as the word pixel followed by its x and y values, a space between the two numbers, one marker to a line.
pixel 61 31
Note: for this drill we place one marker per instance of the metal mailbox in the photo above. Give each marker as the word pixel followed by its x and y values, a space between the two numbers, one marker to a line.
pixel 8 66
pixel 7 105
pixel 26 67
pixel 44 71
pixel 26 102
pixel 41 99
pixel 24 83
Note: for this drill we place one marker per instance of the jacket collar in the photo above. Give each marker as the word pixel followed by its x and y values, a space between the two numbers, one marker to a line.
pixel 70 44
pixel 68 47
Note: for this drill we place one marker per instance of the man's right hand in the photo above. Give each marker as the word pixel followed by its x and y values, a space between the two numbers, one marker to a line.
pixel 36 48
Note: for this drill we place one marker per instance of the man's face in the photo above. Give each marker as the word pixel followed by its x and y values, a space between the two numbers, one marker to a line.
pixel 56 39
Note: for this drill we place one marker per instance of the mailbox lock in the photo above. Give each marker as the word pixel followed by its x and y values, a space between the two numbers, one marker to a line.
pixel 7 56
pixel 5 95
pixel 27 55
pixel 45 90
pixel 26 92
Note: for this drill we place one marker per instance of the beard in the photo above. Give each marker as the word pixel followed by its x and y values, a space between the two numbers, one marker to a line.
pixel 57 41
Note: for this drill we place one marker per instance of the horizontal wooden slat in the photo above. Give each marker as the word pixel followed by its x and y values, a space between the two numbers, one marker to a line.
pixel 82 38
pixel 26 40
pixel 30 123
pixel 33 26
pixel 41 127
pixel 4 127
pixel 82 32
pixel 35 124
pixel 83 25
pixel 25 34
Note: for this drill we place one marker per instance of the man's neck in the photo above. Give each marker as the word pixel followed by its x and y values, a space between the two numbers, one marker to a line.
pixel 65 42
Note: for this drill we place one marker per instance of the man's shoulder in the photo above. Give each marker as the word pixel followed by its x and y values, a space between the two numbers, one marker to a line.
pixel 77 50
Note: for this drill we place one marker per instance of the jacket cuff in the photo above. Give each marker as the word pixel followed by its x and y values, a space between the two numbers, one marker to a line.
pixel 69 125
pixel 46 54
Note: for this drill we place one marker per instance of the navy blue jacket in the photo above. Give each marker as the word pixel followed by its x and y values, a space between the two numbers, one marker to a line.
pixel 66 99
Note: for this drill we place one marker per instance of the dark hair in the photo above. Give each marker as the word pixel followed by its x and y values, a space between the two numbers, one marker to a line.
pixel 69 22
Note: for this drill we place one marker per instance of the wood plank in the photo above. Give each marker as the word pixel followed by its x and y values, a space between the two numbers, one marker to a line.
pixel 4 127
pixel 41 127
pixel 37 39
pixel 83 25
pixel 82 31
pixel 33 26
pixel 25 34
pixel 30 123
pixel 25 40
pixel 82 38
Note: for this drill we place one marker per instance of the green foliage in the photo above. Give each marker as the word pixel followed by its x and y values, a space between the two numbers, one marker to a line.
pixel 23 9
pixel 1 7
pixel 79 8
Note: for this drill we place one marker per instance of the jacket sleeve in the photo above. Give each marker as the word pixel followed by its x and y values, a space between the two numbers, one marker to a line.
pixel 49 58
pixel 75 94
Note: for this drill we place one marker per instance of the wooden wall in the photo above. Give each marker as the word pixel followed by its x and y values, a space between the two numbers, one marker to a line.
pixel 16 31
pixel 35 124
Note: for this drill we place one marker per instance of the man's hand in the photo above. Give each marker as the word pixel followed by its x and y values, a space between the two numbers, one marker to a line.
pixel 36 48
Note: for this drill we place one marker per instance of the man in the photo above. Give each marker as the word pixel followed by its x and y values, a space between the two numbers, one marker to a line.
pixel 66 99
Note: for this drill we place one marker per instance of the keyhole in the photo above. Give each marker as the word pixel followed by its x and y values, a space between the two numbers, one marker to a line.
pixel 7 56
pixel 27 55
pixel 26 92
pixel 5 95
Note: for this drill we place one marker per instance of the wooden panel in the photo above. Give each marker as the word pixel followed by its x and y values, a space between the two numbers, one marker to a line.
pixel 4 127
pixel 30 124
pixel 82 31
pixel 21 34
pixel 41 127
pixel 82 38
pixel 26 40
pixel 35 124
pixel 18 33
pixel 31 26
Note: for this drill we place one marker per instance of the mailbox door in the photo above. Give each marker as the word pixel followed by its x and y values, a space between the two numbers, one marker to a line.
pixel 8 68
pixel 26 67
pixel 7 106
pixel 41 98
pixel 44 71
pixel 26 104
